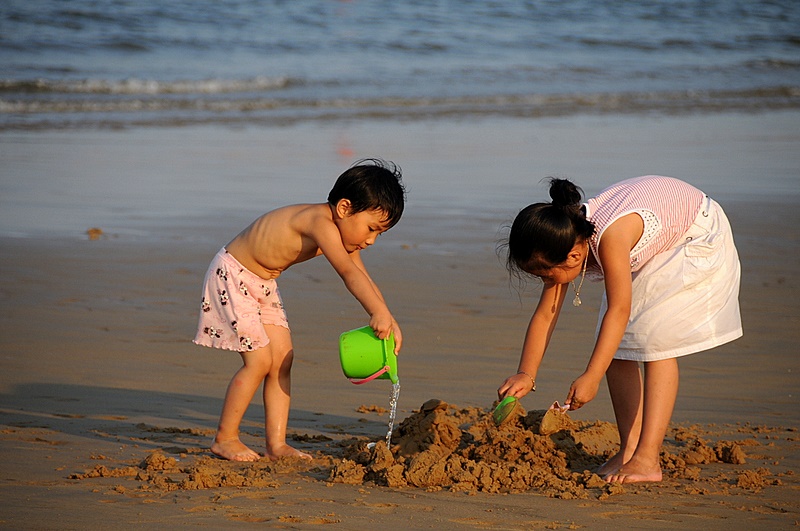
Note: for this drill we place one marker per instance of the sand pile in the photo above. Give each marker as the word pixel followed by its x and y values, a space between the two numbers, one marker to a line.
pixel 442 446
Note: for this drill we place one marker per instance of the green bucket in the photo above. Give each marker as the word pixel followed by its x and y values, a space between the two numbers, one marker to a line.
pixel 364 357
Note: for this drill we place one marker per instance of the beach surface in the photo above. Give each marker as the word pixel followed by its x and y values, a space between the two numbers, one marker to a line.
pixel 108 409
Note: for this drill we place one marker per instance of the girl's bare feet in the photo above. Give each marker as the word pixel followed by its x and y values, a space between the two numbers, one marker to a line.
pixel 234 450
pixel 286 451
pixel 611 466
pixel 635 471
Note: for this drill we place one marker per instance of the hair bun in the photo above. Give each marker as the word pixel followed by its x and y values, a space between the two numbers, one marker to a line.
pixel 564 193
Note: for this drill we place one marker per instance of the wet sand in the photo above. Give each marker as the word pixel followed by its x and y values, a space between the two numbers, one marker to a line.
pixel 108 409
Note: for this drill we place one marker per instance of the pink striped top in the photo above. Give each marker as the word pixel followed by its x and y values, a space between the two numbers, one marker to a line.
pixel 667 205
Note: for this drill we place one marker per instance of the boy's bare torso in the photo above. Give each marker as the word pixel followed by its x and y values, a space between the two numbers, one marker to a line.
pixel 278 239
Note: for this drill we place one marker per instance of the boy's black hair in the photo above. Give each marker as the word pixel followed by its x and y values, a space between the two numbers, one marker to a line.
pixel 371 184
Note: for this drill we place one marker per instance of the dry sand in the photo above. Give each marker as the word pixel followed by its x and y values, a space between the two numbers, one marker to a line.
pixel 108 409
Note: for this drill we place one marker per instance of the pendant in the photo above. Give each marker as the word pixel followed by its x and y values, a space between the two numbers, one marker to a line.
pixel 576 301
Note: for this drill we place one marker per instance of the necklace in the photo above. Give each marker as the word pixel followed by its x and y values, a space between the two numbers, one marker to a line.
pixel 577 300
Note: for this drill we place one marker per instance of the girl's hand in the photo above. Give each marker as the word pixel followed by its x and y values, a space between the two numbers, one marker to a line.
pixel 582 391
pixel 517 386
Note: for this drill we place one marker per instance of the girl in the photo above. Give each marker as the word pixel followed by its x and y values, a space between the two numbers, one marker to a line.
pixel 671 271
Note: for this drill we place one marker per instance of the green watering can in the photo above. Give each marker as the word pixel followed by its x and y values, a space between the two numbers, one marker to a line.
pixel 364 357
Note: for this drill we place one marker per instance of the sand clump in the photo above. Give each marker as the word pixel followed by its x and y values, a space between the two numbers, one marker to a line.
pixel 444 447
pixel 165 473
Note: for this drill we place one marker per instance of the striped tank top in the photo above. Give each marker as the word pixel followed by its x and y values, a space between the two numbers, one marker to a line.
pixel 667 205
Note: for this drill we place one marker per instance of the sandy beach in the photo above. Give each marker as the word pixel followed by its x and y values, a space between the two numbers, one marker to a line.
pixel 108 409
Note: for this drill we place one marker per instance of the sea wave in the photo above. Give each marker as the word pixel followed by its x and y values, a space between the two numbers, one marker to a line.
pixel 143 86
pixel 166 109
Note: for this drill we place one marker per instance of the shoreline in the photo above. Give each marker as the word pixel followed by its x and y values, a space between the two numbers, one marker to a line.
pixel 136 182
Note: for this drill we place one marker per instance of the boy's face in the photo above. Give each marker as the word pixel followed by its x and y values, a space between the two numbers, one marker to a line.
pixel 360 230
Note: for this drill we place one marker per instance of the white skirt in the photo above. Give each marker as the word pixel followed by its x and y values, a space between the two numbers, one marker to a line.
pixel 685 299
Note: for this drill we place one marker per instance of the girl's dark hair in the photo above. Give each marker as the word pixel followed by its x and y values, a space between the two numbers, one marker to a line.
pixel 543 234
pixel 371 184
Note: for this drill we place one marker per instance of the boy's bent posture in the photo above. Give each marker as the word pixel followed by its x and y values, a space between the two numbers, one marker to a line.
pixel 242 309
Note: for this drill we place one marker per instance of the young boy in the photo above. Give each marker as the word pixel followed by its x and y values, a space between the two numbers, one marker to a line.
pixel 242 309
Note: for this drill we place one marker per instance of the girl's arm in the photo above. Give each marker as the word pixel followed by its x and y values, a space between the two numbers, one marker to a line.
pixel 614 253
pixel 540 329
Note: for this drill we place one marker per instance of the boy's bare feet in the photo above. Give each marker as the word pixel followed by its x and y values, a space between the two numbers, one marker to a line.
pixel 234 450
pixel 635 471
pixel 286 451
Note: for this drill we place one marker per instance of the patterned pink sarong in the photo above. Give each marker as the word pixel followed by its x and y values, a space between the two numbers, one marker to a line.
pixel 236 305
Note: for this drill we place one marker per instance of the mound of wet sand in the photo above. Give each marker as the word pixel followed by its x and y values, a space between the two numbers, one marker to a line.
pixel 444 447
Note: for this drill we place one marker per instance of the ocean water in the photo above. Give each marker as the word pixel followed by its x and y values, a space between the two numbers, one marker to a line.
pixel 140 63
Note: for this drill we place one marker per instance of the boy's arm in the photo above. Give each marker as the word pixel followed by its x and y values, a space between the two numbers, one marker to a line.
pixel 327 238
pixel 355 256
pixel 398 335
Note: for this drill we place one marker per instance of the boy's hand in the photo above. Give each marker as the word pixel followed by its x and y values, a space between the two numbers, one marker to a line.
pixel 384 325
pixel 398 337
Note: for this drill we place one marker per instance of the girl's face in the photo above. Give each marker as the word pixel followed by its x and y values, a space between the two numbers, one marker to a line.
pixel 560 274
pixel 567 271
pixel 360 230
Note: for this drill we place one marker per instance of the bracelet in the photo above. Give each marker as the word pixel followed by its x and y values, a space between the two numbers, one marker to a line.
pixel 533 382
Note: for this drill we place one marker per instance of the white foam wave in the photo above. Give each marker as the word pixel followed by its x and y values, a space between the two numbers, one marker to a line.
pixel 135 86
